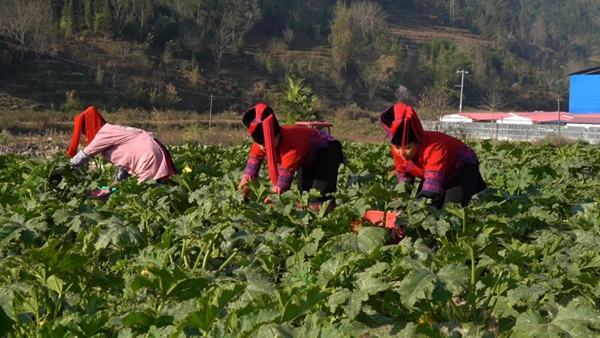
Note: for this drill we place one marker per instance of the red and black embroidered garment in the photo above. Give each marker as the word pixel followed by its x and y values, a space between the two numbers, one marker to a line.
pixel 440 157
pixel 297 148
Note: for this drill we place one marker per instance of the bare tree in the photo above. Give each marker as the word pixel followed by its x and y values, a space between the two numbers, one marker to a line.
pixel 144 10
pixel 288 36
pixel 237 18
pixel 192 36
pixel 195 21
pixel 28 23
pixel 123 12
pixel 221 43
pixel 402 93
pixel 538 32
pixel 434 102
pixel 494 99
pixel 277 46
pixel 197 10
pixel 369 17
pixel 181 7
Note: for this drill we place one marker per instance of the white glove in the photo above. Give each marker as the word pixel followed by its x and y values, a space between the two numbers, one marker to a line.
pixel 79 160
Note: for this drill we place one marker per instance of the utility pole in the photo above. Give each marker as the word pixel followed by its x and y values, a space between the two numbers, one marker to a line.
pixel 559 138
pixel 462 85
pixel 210 113
pixel 452 12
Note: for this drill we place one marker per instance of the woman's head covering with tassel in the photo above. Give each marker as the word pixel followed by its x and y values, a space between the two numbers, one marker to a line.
pixel 253 120
pixel 401 124
pixel 263 128
pixel 89 123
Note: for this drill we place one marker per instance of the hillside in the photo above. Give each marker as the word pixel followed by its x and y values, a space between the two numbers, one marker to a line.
pixel 417 51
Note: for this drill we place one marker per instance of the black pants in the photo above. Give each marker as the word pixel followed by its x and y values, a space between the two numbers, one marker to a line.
pixel 323 174
pixel 467 183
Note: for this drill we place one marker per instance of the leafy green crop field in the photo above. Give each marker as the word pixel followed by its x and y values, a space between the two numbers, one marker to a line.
pixel 192 259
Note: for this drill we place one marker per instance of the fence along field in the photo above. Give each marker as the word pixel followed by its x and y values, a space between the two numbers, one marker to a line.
pixel 516 132
pixel 192 259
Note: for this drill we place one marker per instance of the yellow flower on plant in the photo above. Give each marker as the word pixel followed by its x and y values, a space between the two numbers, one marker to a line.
pixel 187 169
pixel 144 272
pixel 426 318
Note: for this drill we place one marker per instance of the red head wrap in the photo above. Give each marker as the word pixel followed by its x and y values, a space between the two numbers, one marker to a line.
pixel 90 122
pixel 263 116
pixel 398 119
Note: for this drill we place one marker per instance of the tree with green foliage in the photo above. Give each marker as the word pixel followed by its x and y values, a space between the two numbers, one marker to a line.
pixel 67 20
pixel 371 75
pixel 440 61
pixel 102 17
pixel 88 14
pixel 342 36
pixel 297 101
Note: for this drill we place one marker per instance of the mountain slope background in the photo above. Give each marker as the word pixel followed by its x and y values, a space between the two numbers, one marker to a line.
pixel 228 54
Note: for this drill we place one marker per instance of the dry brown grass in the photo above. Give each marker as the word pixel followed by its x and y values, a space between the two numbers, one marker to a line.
pixel 555 141
pixel 48 132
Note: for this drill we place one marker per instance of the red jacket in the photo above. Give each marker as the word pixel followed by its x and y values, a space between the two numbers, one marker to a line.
pixel 439 158
pixel 297 148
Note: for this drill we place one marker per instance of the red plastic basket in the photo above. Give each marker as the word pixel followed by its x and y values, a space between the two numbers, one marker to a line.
pixel 382 219
pixel 316 125
pixel 101 193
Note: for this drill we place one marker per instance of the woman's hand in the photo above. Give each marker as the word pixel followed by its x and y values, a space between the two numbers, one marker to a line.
pixel 276 190
pixel 245 179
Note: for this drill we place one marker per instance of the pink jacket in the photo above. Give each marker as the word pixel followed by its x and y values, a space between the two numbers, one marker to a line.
pixel 133 149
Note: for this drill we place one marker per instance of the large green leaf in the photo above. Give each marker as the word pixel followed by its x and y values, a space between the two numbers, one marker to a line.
pixel 118 235
pixel 525 295
pixel 146 319
pixel 247 325
pixel 578 319
pixel 170 284
pixel 6 323
pixel 294 302
pixel 20 227
pixel 417 285
pixel 89 325
pixel 333 267
pixel 366 284
pixel 455 277
pixel 367 240
pixel 211 305
pixel 422 284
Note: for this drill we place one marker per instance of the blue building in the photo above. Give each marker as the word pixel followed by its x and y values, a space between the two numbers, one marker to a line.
pixel 584 94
